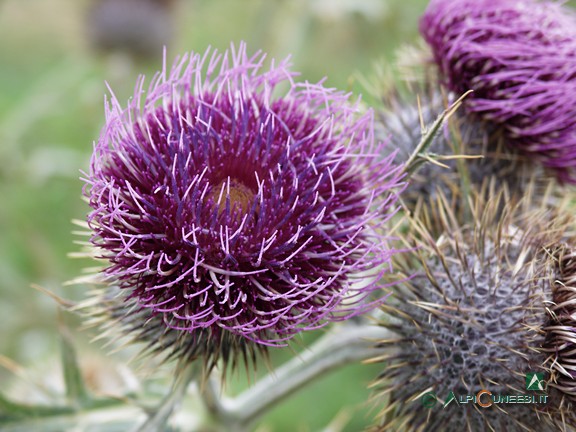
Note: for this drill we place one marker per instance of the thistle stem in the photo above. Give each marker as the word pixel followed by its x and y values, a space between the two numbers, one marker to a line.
pixel 341 346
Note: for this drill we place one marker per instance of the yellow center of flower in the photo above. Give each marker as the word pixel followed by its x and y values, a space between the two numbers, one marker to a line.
pixel 241 196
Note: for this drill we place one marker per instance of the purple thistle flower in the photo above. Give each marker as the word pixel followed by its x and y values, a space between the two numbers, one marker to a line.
pixel 232 215
pixel 519 57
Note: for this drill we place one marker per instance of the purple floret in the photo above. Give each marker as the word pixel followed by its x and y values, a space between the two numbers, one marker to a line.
pixel 519 57
pixel 231 199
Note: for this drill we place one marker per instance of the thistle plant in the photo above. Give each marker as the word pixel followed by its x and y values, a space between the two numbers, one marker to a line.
pixel 490 301
pixel 518 57
pixel 234 208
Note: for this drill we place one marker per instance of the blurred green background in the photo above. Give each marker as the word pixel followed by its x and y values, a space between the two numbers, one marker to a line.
pixel 52 85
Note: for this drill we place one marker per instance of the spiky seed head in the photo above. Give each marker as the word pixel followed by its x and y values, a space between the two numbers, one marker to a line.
pixel 519 58
pixel 235 207
pixel 489 302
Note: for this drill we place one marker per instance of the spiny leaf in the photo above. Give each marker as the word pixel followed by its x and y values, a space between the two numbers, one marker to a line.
pixel 105 415
pixel 10 411
pixel 75 388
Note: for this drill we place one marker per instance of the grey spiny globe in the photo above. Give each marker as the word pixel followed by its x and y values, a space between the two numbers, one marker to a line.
pixel 491 303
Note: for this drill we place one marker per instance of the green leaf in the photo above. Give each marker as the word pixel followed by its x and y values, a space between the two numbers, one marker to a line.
pixel 10 411
pixel 75 387
pixel 109 415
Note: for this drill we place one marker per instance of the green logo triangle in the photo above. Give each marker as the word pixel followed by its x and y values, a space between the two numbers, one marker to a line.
pixel 451 397
pixel 535 381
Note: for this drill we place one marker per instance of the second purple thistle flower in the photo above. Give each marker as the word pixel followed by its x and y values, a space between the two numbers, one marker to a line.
pixel 519 57
pixel 223 209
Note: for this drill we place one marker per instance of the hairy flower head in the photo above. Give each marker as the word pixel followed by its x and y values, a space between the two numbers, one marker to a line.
pixel 236 207
pixel 519 58
pixel 491 302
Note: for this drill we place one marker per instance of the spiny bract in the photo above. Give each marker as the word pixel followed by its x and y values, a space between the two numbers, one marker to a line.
pixel 466 150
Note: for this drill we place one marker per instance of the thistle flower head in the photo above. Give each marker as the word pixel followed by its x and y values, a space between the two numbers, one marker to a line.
pixel 519 57
pixel 490 304
pixel 236 207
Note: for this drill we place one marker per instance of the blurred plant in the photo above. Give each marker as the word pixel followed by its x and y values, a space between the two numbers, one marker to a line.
pixel 139 28
pixel 335 10
pixel 492 301
pixel 518 56
pixel 75 404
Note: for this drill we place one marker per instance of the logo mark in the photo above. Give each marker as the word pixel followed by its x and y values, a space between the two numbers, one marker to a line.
pixel 486 403
pixel 535 381
pixel 428 400
pixel 451 397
